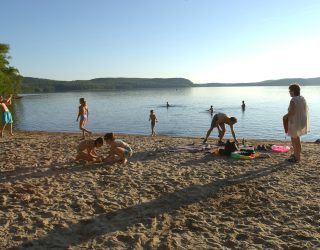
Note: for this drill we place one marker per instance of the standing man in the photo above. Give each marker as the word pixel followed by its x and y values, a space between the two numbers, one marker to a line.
pixel 153 119
pixel 6 114
pixel 219 120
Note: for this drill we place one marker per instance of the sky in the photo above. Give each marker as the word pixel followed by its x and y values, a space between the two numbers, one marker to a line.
pixel 202 40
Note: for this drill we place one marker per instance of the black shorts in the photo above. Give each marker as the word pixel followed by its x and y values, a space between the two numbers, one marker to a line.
pixel 214 121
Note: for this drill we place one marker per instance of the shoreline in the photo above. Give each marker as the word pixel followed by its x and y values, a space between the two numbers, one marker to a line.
pixel 211 138
pixel 164 197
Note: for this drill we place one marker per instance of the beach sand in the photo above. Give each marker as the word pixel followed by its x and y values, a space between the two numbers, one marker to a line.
pixel 165 197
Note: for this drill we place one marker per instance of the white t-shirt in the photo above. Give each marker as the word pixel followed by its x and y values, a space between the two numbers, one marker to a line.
pixel 298 124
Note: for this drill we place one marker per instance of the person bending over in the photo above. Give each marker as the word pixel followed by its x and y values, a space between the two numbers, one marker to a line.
pixel 219 120
pixel 118 148
pixel 87 150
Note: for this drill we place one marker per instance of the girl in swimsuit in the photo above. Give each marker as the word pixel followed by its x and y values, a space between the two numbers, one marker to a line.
pixel 83 115
pixel 118 148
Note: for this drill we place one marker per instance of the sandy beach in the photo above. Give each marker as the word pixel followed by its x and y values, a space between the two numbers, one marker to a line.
pixel 165 197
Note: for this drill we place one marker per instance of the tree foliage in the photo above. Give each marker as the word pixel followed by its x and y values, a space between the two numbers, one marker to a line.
pixel 9 76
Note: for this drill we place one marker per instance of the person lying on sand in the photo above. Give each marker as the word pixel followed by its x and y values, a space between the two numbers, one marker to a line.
pixel 118 148
pixel 87 150
pixel 219 120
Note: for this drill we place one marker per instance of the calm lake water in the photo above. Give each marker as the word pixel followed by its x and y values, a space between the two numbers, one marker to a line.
pixel 128 111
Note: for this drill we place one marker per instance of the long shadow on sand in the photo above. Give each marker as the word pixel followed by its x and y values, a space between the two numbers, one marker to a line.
pixel 72 167
pixel 36 172
pixel 121 219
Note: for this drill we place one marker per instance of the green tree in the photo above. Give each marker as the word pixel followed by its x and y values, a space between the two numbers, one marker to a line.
pixel 9 76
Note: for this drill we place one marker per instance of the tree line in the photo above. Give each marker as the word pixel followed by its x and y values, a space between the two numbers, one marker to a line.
pixel 10 78
pixel 38 85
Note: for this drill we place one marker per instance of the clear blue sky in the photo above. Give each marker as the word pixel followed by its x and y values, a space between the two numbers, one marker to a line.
pixel 202 40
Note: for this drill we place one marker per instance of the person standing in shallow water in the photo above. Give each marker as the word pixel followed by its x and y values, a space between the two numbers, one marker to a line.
pixel 210 110
pixel 243 106
pixel 83 114
pixel 298 120
pixel 153 119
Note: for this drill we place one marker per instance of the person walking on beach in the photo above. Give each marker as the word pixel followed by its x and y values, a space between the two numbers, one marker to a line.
pixel 219 120
pixel 6 114
pixel 167 105
pixel 118 148
pixel 86 150
pixel 83 114
pixel 298 120
pixel 153 119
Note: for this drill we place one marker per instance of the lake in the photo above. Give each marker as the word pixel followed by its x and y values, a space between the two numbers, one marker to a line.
pixel 127 111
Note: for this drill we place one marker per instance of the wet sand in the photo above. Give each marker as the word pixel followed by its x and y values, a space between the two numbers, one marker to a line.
pixel 165 197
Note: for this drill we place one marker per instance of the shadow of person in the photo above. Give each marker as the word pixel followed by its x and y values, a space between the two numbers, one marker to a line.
pixel 119 220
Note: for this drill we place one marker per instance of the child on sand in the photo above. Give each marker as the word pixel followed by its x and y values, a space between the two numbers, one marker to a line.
pixel 83 114
pixel 153 119
pixel 87 150
pixel 6 114
pixel 118 148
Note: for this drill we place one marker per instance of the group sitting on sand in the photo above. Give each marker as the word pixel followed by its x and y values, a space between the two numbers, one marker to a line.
pixel 119 150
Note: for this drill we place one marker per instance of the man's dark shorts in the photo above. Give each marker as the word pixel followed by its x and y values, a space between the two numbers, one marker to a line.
pixel 214 121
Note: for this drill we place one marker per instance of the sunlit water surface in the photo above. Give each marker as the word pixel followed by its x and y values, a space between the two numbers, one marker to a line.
pixel 128 111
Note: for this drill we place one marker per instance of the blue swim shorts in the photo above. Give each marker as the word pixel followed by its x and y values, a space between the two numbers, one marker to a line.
pixel 128 152
pixel 7 117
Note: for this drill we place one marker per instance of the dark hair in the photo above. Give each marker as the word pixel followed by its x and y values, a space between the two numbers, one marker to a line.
pixel 98 140
pixel 233 119
pixel 151 110
pixel 295 88
pixel 81 100
pixel 109 136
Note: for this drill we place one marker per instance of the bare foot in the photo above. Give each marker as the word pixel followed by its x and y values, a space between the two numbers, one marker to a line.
pixel 124 161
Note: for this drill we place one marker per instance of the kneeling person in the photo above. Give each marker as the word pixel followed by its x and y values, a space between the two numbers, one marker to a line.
pixel 219 120
pixel 118 148
pixel 87 150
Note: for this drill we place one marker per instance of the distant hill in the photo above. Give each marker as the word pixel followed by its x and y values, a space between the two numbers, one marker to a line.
pixel 38 85
pixel 279 82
